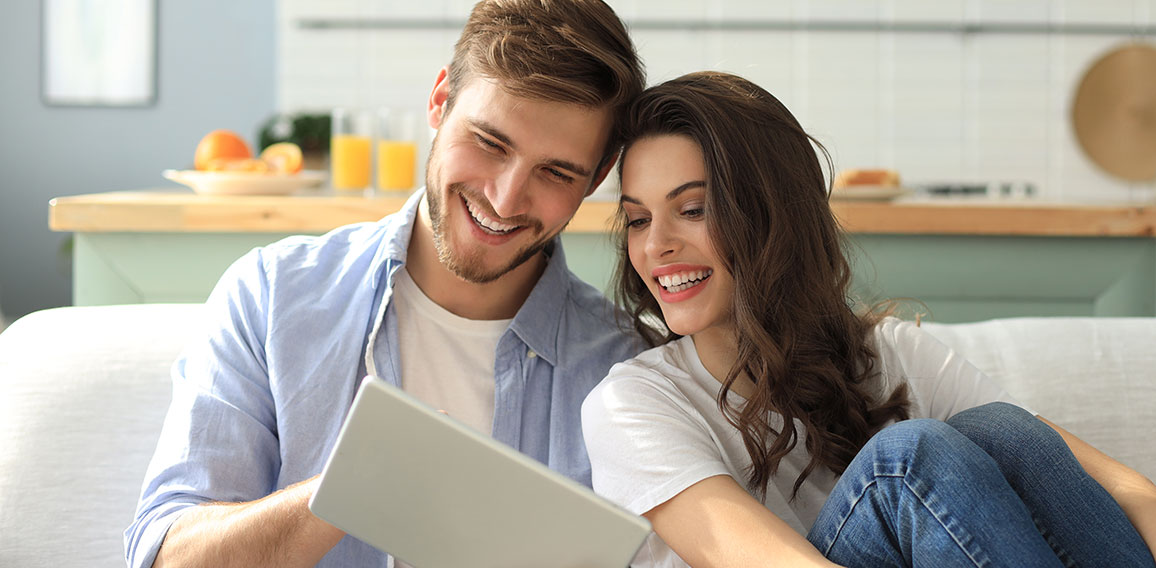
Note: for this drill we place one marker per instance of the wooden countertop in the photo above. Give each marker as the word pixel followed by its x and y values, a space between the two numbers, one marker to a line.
pixel 170 211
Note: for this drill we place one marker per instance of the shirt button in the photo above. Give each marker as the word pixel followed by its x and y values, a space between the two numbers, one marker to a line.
pixel 530 354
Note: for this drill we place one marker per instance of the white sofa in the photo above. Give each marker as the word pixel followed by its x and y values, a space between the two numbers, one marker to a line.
pixel 83 392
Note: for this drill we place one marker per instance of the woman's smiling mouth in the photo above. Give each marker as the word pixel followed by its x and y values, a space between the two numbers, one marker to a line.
pixel 679 281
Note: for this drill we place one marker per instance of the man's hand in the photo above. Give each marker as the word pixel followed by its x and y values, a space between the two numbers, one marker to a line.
pixel 278 530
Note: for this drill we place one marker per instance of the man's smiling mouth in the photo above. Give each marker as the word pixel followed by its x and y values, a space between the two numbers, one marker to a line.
pixel 487 223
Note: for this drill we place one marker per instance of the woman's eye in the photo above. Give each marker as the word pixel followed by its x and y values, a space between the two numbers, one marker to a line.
pixel 694 212
pixel 636 223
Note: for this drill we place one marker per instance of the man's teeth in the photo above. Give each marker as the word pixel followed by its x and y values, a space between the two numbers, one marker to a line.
pixel 683 280
pixel 486 222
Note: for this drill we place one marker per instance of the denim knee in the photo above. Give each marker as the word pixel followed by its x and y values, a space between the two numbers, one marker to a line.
pixel 994 412
pixel 905 431
pixel 920 489
pixel 999 427
pixel 904 440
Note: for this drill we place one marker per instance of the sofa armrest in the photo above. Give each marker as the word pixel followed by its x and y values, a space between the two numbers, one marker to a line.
pixel 83 394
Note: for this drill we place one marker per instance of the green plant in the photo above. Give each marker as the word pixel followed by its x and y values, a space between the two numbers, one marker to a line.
pixel 309 131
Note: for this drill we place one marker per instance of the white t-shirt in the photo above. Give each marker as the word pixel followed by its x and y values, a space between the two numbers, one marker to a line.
pixel 653 427
pixel 447 361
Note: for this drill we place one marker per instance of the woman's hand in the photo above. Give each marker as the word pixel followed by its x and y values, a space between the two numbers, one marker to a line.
pixel 716 523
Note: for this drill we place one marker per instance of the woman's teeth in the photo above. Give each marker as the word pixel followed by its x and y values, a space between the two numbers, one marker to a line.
pixel 681 281
pixel 486 222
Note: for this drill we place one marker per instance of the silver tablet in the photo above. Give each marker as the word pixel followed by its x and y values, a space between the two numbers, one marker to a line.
pixel 435 493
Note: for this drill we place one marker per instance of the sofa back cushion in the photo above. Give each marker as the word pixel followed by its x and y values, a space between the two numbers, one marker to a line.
pixel 1095 377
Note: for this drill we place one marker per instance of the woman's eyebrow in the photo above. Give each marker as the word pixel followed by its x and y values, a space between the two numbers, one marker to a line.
pixel 688 185
pixel 671 195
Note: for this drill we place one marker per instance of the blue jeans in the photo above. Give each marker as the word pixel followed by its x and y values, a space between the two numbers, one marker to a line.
pixel 992 486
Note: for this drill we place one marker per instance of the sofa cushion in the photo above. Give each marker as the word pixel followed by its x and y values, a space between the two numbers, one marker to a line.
pixel 1095 377
pixel 84 393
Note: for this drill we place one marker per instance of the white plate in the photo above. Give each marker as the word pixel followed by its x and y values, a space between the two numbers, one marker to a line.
pixel 246 183
pixel 868 193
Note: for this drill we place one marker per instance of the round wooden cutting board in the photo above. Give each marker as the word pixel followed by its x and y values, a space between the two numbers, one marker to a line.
pixel 1114 113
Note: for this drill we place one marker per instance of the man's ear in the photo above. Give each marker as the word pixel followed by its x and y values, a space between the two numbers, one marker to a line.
pixel 602 172
pixel 436 108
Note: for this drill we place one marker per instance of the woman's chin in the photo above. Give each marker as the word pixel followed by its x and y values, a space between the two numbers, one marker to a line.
pixel 680 327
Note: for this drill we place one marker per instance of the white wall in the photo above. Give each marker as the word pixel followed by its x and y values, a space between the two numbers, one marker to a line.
pixel 216 70
pixel 937 106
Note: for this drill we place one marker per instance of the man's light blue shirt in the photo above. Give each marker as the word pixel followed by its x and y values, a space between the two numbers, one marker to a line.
pixel 259 401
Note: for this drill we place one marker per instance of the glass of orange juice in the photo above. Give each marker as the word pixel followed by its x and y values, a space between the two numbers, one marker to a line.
pixel 397 141
pixel 350 150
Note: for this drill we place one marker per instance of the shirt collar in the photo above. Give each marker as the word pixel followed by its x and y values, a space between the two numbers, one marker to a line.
pixel 398 232
pixel 538 320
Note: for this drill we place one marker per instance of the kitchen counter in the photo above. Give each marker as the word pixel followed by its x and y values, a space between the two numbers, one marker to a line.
pixel 168 211
pixel 961 259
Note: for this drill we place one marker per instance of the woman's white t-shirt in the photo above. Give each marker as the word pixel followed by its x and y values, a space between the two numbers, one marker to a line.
pixel 653 427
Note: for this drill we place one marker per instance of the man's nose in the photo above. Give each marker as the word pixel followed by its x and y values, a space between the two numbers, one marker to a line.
pixel 509 195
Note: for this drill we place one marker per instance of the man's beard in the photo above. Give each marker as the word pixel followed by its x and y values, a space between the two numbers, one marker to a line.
pixel 468 265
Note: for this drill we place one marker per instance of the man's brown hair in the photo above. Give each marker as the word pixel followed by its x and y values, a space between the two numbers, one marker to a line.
pixel 569 51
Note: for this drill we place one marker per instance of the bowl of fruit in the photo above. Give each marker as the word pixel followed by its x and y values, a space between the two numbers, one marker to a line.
pixel 224 165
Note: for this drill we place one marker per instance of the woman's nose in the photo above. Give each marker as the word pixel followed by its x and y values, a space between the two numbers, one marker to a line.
pixel 661 240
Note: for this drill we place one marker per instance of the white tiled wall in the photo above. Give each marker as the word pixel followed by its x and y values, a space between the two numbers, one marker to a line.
pixel 939 106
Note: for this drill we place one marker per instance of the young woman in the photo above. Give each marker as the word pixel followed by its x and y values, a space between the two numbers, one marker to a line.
pixel 774 425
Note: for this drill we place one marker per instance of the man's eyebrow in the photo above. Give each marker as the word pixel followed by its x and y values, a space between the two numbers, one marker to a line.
pixel 492 130
pixel 581 171
pixel 671 195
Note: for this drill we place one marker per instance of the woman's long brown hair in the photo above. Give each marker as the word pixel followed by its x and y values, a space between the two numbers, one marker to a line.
pixel 799 337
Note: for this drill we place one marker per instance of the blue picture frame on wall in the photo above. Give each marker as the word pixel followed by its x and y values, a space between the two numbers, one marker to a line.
pixel 99 52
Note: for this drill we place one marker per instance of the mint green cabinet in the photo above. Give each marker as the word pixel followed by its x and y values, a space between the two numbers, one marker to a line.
pixel 957 278
pixel 972 278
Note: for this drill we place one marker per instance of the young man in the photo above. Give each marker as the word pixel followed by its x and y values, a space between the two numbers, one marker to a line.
pixel 463 298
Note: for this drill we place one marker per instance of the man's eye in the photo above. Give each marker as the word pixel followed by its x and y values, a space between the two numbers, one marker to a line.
pixel 559 175
pixel 487 143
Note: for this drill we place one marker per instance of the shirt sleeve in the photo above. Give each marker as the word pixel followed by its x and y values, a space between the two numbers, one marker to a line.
pixel 219 439
pixel 646 442
pixel 942 380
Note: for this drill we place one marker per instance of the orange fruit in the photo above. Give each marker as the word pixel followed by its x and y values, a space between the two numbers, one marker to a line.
pixel 283 157
pixel 221 145
pixel 234 165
